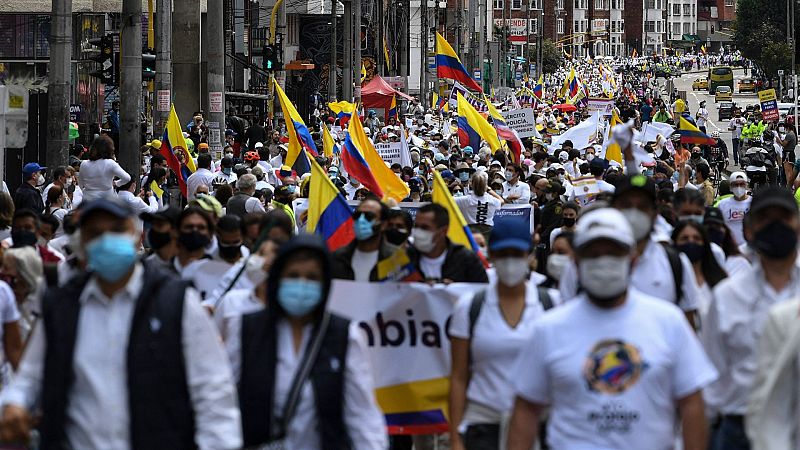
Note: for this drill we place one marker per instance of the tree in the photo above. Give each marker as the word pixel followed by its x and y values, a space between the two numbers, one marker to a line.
pixel 551 56
pixel 760 33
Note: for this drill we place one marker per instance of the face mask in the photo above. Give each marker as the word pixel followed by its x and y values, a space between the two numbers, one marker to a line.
pixel 568 221
pixel 255 269
pixel 23 238
pixel 226 170
pixel 193 240
pixel 229 251
pixel 229 155
pixel 484 251
pixel 364 229
pixel 692 250
pixel 111 256
pixel 39 180
pixel 423 240
pixel 509 175
pixel 458 194
pixel 604 278
pixel 695 155
pixel 589 157
pixel 69 181
pixel 511 271
pixel 648 173
pixel 292 188
pixel 463 176
pixel 561 177
pixel 396 236
pixel 556 264
pixel 641 223
pixel 776 240
pixel 739 191
pixel 157 239
pixel 299 297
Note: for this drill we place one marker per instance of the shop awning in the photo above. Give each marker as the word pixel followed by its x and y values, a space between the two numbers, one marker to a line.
pixel 691 38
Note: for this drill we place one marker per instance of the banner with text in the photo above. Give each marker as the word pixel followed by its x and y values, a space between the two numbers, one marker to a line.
pixel 523 121
pixel 769 104
pixel 605 106
pixel 390 152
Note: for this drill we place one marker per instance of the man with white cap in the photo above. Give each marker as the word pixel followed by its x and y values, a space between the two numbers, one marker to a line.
pixel 734 208
pixel 616 367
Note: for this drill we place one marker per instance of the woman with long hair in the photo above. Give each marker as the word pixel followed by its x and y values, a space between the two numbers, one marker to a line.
pixel 480 205
pixel 101 173
pixel 55 207
pixel 23 268
pixel 691 239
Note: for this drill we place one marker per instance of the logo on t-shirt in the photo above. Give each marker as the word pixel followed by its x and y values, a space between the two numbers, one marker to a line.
pixel 613 366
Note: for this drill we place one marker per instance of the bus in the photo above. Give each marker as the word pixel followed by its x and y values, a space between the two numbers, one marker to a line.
pixel 719 76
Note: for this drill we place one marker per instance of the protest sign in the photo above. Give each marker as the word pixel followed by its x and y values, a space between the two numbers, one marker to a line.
pixel 604 105
pixel 522 121
pixel 390 152
pixel 769 104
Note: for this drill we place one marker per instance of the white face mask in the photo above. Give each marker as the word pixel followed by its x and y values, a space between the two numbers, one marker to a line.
pixel 640 222
pixel 39 180
pixel 589 157
pixel 739 191
pixel 509 175
pixel 556 264
pixel 423 240
pixel 604 277
pixel 511 271
pixel 255 269
pixel 69 181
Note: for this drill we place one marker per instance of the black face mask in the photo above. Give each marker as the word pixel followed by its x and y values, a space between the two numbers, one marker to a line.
pixel 158 239
pixel 568 221
pixel 193 240
pixel 695 155
pixel 692 250
pixel 716 236
pixel 776 240
pixel 23 238
pixel 229 251
pixel 395 236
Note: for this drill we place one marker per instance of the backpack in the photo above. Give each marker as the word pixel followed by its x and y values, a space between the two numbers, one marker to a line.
pixel 676 265
pixel 480 298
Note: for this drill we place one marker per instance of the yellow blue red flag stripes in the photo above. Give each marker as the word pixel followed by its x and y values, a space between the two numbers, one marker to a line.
pixel 172 144
pixel 328 212
pixel 690 134
pixel 472 127
pixel 449 66
pixel 613 150
pixel 458 231
pixel 343 111
pixel 355 141
pixel 390 184
pixel 538 89
pixel 504 132
pixel 299 137
pixel 328 144
pixel 393 108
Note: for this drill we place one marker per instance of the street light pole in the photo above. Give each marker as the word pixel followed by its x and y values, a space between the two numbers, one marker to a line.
pixel 60 84
pixel 130 88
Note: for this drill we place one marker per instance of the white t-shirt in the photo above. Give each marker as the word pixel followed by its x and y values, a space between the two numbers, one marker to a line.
pixel 362 264
pixel 432 267
pixel 8 309
pixel 478 210
pixel 612 376
pixel 702 117
pixel 522 189
pixel 733 212
pixel 495 346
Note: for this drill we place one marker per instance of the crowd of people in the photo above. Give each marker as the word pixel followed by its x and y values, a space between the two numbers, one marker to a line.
pixel 646 303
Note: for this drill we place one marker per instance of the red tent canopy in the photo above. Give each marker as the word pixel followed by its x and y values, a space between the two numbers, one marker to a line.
pixel 378 94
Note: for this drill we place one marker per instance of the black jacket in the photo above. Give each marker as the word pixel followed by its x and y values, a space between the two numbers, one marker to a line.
pixel 461 265
pixel 343 258
pixel 28 197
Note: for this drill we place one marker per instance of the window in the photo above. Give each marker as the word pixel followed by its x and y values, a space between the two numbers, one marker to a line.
pixel 650 4
pixel 650 26
pixel 728 2
pixel 534 26
pixel 535 4
pixel 676 29
pixel 694 12
pixel 676 10
pixel 499 4
pixel 687 10
pixel 560 4
pixel 687 29
pixel 576 27
pixel 516 4
pixel 621 26
pixel 560 26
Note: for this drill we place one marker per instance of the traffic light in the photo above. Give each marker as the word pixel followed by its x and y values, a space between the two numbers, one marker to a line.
pixel 105 57
pixel 272 59
pixel 148 65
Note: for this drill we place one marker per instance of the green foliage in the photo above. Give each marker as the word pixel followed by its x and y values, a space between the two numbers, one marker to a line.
pixel 760 33
pixel 552 57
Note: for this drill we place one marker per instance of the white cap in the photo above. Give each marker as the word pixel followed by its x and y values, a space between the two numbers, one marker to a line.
pixel 737 176
pixel 563 156
pixel 603 223
pixel 495 163
pixel 259 145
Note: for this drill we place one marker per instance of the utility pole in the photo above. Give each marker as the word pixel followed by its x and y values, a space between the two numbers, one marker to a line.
pixel 482 38
pixel 216 76
pixel 539 50
pixel 332 69
pixel 794 64
pixel 459 7
pixel 357 51
pixel 60 77
pixel 527 36
pixel 163 65
pixel 347 58
pixel 379 45
pixel 423 84
pixel 130 91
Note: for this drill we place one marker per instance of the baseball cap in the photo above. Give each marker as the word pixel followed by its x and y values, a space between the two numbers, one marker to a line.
pixel 447 174
pixel 773 196
pixel 169 214
pixel 32 168
pixel 713 215
pixel 230 132
pixel 603 223
pixel 258 145
pixel 156 144
pixel 737 176
pixel 636 183
pixel 208 203
pixel 513 233
pixel 110 205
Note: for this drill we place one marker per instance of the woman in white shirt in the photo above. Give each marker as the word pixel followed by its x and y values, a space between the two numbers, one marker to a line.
pixel 480 205
pixel 304 375
pixel 55 207
pixel 691 239
pixel 98 173
pixel 487 332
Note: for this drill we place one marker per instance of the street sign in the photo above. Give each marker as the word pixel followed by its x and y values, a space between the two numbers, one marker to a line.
pixel 215 102
pixel 75 113
pixel 780 72
pixel 769 104
pixel 477 74
pixel 163 100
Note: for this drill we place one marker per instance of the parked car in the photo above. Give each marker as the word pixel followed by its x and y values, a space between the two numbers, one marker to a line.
pixel 748 85
pixel 725 110
pixel 700 84
pixel 723 93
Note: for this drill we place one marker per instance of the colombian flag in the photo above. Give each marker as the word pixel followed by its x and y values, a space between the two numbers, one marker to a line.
pixel 343 111
pixel 538 89
pixel 328 144
pixel 690 134
pixel 354 163
pixel 328 212
pixel 472 127
pixel 573 86
pixel 393 108
pixel 505 132
pixel 613 150
pixel 389 184
pixel 300 140
pixel 458 231
pixel 449 66
pixel 173 143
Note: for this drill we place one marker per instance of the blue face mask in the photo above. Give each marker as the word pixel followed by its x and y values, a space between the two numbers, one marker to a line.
pixel 299 297
pixel 226 170
pixel 292 189
pixel 463 176
pixel 363 228
pixel 648 173
pixel 111 256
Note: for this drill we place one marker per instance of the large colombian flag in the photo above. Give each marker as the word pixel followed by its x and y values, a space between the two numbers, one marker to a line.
pixel 328 212
pixel 172 144
pixel 472 127
pixel 449 66
pixel 538 88
pixel 300 140
pixel 389 184
pixel 612 149
pixel 690 134
pixel 505 132
pixel 457 231
pixel 352 159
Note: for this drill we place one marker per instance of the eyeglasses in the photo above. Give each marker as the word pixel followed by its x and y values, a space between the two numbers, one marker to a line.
pixel 369 215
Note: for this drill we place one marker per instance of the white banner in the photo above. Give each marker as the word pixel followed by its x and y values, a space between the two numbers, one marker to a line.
pixel 391 152
pixel 582 135
pixel 523 121
pixel 651 130
pixel 605 106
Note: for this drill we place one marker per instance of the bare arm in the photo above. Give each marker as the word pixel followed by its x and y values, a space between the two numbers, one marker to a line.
pixel 693 419
pixel 524 427
pixel 459 380
pixel 12 343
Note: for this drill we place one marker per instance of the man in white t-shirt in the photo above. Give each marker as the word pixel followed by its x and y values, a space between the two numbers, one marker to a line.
pixel 702 116
pixel 618 369
pixel 516 191
pixel 734 208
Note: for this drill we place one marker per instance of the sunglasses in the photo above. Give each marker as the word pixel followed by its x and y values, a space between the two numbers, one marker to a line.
pixel 369 215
